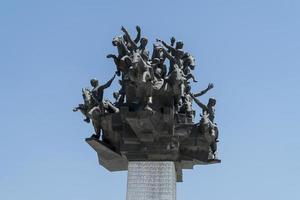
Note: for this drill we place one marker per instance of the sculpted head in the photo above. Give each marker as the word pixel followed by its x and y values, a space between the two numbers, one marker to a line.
pixel 117 41
pixel 212 102
pixel 94 82
pixel 136 58
pixel 179 45
pixel 189 60
pixel 158 72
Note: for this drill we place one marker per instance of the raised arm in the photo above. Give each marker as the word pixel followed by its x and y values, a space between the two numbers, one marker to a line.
pixel 209 87
pixel 172 40
pixel 169 56
pixel 138 36
pixel 106 85
pixel 170 48
pixel 201 105
pixel 129 38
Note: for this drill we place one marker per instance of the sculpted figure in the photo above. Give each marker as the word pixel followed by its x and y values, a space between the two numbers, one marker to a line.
pixel 187 103
pixel 141 75
pixel 136 40
pixel 98 90
pixel 176 78
pixel 96 114
pixel 207 125
pixel 140 71
pixel 109 107
pixel 141 49
pixel 158 80
pixel 158 53
pixel 99 109
pixel 188 100
pixel 119 100
pixel 157 63
pixel 188 65
pixel 122 61
pixel 175 52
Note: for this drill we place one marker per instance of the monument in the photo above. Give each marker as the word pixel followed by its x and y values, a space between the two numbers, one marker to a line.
pixel 149 129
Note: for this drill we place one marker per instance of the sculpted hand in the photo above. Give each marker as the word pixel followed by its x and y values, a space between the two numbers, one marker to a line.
pixel 210 86
pixel 110 56
pixel 172 40
pixel 138 29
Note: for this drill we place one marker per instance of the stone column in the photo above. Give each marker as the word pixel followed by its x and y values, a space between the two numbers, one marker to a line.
pixel 151 180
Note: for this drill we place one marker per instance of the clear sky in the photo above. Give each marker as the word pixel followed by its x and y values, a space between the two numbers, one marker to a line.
pixel 49 50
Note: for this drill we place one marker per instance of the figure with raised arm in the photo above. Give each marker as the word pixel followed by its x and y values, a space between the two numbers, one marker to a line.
pixel 127 39
pixel 176 78
pixel 122 61
pixel 141 49
pixel 98 90
pixel 97 99
pixel 176 52
pixel 209 87
pixel 207 125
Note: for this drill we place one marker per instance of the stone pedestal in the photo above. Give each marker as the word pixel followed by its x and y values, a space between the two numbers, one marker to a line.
pixel 151 180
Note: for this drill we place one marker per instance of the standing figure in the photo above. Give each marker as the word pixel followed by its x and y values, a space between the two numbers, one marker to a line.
pixel 207 125
pixel 98 90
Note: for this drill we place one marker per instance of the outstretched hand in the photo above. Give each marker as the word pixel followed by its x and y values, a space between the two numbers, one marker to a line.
pixel 158 40
pixel 172 40
pixel 110 56
pixel 210 86
pixel 138 28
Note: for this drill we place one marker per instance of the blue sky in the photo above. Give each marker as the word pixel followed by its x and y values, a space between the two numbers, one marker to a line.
pixel 49 50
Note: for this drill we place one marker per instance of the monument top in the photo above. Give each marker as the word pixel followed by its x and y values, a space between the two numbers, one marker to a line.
pixel 152 118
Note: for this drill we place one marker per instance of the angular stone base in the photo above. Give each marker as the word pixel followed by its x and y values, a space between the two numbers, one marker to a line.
pixel 151 180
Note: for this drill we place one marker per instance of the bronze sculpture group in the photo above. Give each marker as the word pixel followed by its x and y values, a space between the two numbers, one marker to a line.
pixel 149 90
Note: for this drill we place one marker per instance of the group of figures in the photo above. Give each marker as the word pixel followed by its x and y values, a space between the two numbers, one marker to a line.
pixel 147 84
